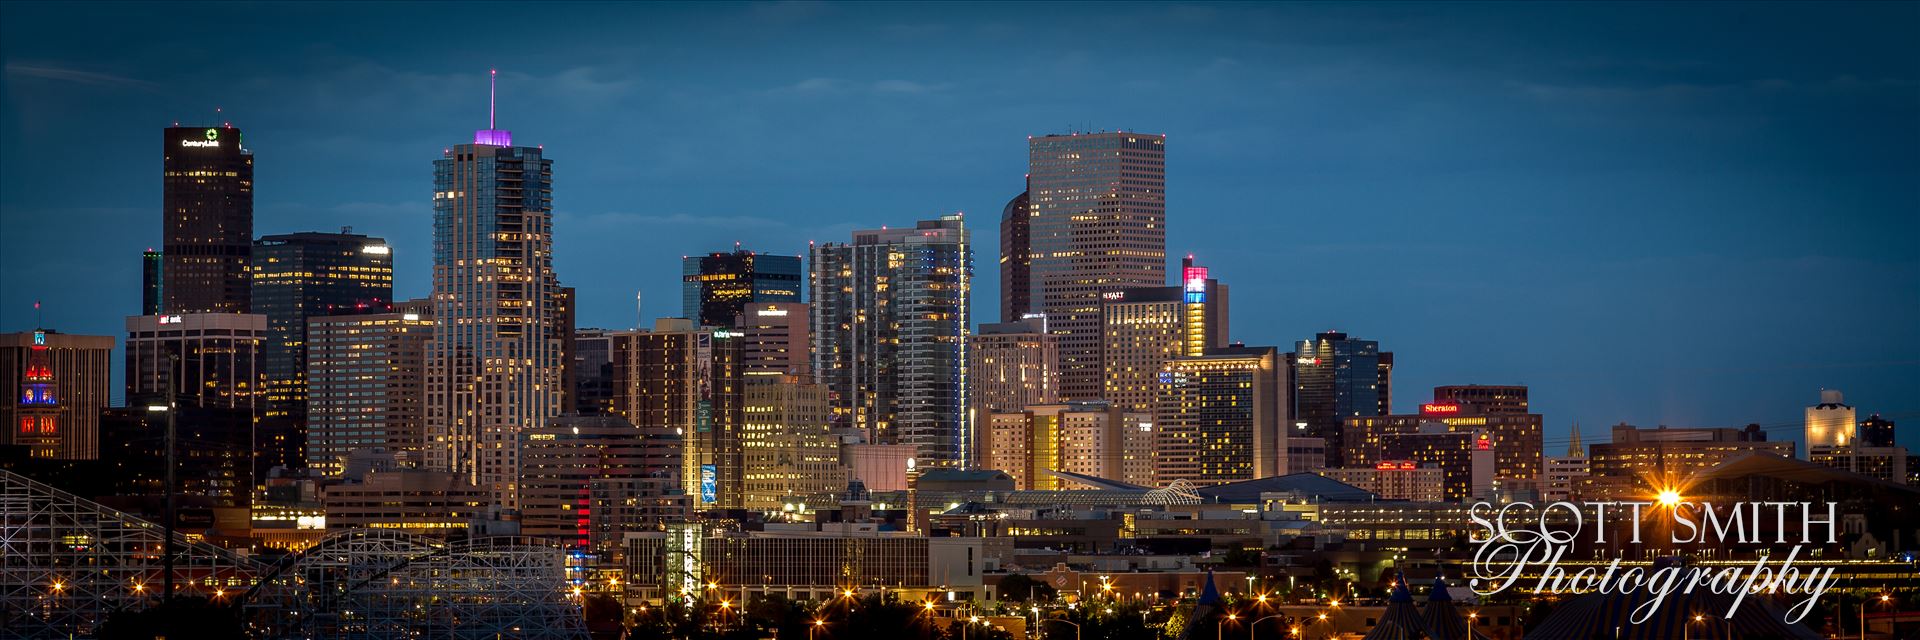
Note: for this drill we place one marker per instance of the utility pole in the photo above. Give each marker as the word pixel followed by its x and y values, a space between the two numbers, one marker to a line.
pixel 173 419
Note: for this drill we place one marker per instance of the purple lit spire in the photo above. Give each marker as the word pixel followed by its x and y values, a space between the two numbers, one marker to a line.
pixel 490 135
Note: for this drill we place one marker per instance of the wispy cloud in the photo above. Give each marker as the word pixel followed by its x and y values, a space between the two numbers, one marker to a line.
pixel 788 10
pixel 92 78
pixel 823 86
pixel 621 218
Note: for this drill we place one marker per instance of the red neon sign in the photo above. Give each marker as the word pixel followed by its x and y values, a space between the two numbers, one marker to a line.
pixel 1435 408
pixel 1483 443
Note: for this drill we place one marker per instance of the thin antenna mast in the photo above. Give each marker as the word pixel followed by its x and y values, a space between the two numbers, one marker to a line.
pixel 639 317
pixel 493 79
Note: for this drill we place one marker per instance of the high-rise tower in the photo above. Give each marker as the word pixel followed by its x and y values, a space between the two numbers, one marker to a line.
pixel 1333 378
pixel 716 288
pixel 207 195
pixel 298 276
pixel 890 327
pixel 1016 259
pixel 1099 224
pixel 494 364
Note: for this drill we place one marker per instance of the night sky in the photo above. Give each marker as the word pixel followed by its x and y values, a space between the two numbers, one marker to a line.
pixel 1688 215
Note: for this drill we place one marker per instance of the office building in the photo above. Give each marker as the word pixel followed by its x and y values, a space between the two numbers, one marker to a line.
pixel 1638 463
pixel 1306 455
pixel 801 565
pixel 416 501
pixel 152 268
pixel 1516 438
pixel 565 304
pixel 1010 367
pixel 1333 378
pixel 1484 398
pixel 366 377
pixel 1885 463
pixel 689 379
pixel 298 276
pixel 890 324
pixel 788 453
pixel 560 461
pixel 1088 438
pixel 1464 456
pixel 214 359
pixel 214 447
pixel 716 288
pixel 1876 431
pixel 207 198
pixel 1396 480
pixel 1830 423
pixel 1016 259
pixel 592 365
pixel 59 383
pixel 1098 207
pixel 1561 475
pixel 881 467
pixel 775 338
pixel 1221 417
pixel 1142 328
pixel 494 366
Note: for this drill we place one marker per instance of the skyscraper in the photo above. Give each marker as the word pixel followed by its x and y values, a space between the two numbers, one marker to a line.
pixel 563 459
pixel 1515 438
pixel 298 276
pixel 1089 438
pixel 775 338
pixel 689 379
pixel 788 453
pixel 1099 224
pixel 58 384
pixel 1333 378
pixel 1876 431
pixel 494 365
pixel 1141 328
pixel 592 376
pixel 365 382
pixel 214 359
pixel 207 197
pixel 1016 259
pixel 717 287
pixel 1221 416
pixel 152 265
pixel 1010 369
pixel 890 326
pixel 1830 423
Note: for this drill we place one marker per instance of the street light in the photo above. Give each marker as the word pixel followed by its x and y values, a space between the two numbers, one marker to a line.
pixel 1884 599
pixel 166 553
pixel 817 624
pixel 1220 628
pixel 1255 625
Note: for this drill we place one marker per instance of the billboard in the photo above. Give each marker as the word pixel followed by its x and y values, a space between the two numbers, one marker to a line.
pixel 709 484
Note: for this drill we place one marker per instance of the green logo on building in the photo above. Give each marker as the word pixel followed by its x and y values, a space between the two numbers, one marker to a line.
pixel 213 134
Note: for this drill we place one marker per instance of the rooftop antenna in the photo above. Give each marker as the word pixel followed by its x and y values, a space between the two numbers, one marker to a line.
pixel 493 79
pixel 36 315
pixel 639 317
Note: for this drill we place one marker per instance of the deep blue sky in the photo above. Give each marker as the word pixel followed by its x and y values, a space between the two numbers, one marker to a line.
pixel 1691 215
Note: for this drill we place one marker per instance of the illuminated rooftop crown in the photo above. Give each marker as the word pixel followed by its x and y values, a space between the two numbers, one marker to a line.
pixel 491 135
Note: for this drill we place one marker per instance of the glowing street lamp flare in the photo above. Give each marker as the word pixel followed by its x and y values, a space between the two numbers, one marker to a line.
pixel 1669 497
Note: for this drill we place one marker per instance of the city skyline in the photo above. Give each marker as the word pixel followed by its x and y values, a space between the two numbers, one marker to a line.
pixel 1790 244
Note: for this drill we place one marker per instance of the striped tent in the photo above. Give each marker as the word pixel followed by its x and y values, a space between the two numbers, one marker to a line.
pixel 1444 621
pixel 1401 621
pixel 1596 616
